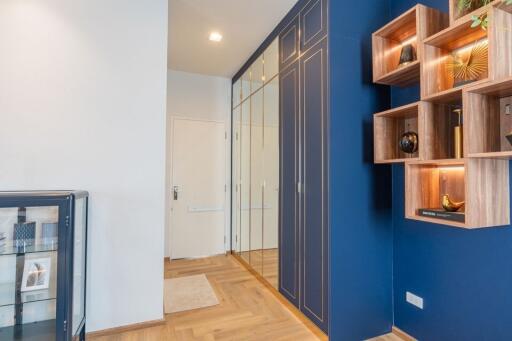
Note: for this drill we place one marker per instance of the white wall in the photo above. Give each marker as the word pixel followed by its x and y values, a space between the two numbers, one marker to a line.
pixel 82 106
pixel 203 97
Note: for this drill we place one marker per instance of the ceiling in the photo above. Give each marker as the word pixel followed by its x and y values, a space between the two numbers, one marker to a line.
pixel 244 25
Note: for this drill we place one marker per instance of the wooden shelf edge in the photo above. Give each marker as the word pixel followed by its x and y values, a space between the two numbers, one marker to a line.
pixel 438 221
pixel 445 95
pixel 401 77
pixel 392 23
pixel 491 155
pixel 491 86
pixel 440 162
pixel 391 161
pixel 399 110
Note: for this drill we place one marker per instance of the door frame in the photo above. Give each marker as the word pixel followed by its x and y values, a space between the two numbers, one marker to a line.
pixel 171 119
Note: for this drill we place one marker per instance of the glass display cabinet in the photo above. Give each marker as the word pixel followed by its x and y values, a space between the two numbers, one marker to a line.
pixel 43 242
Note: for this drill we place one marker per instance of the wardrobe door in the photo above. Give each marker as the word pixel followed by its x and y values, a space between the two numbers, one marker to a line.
pixel 245 180
pixel 314 212
pixel 289 179
pixel 313 23
pixel 257 179
pixel 289 44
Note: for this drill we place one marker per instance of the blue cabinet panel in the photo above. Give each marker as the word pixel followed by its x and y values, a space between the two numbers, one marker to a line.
pixel 314 222
pixel 289 174
pixel 289 43
pixel 313 22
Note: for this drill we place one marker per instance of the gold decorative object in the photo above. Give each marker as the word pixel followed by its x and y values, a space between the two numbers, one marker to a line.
pixel 457 136
pixel 468 65
pixel 449 205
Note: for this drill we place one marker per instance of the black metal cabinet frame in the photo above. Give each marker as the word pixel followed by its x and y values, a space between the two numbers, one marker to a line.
pixel 65 201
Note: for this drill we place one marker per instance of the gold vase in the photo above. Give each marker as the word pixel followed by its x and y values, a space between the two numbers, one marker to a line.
pixel 458 140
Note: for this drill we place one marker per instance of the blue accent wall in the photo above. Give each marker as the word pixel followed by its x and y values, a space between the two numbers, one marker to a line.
pixel 464 276
pixel 360 192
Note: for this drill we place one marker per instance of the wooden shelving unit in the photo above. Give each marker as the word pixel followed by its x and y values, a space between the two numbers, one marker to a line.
pixel 489 119
pixel 483 184
pixel 389 127
pixel 410 28
pixel 437 53
pixel 481 177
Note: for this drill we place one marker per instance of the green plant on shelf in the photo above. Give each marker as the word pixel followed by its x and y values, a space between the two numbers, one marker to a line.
pixel 481 20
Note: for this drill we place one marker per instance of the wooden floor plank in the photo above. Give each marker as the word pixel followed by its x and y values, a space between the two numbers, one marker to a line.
pixel 248 310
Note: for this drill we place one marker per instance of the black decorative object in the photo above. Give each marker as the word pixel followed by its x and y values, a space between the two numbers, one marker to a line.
pixel 24 234
pixel 509 138
pixel 407 56
pixel 409 142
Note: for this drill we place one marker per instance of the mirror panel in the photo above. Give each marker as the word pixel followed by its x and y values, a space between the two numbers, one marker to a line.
pixel 271 56
pixel 257 74
pixel 271 188
pixel 246 84
pixel 235 188
pixel 256 242
pixel 237 93
pixel 255 163
pixel 245 179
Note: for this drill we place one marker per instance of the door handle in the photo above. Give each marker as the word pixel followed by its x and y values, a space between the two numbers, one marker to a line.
pixel 175 190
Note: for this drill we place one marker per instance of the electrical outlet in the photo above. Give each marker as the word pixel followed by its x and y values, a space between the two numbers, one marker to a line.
pixel 414 300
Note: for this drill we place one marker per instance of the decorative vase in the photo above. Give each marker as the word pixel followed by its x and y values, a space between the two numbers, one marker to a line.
pixel 458 150
pixel 449 205
pixel 409 142
pixel 407 55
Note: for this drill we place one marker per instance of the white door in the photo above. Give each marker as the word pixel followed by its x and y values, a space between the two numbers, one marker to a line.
pixel 198 190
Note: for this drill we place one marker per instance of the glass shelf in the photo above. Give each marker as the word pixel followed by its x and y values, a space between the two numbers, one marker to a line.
pixel 13 250
pixel 40 331
pixel 8 293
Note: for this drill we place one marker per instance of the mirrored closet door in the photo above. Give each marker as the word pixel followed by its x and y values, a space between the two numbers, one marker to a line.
pixel 255 152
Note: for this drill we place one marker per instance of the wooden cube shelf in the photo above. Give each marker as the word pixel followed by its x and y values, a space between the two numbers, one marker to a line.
pixel 483 184
pixel 437 53
pixel 489 120
pixel 481 177
pixel 389 127
pixel 440 121
pixel 459 39
pixel 456 14
pixel 412 27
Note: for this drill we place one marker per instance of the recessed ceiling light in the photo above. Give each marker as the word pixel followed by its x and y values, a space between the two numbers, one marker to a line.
pixel 215 36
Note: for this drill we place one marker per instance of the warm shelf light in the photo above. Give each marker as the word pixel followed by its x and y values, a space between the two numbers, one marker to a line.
pixel 215 37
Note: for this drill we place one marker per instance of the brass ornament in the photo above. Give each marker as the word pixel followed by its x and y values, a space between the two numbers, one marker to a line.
pixel 451 206
pixel 469 66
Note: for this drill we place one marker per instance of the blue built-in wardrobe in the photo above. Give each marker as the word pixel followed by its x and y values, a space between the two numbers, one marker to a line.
pixel 335 232
pixel 304 196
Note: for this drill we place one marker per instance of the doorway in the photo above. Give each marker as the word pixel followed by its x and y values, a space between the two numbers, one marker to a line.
pixel 198 188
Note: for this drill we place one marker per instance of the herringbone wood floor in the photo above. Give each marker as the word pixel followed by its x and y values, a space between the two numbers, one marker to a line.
pixel 247 309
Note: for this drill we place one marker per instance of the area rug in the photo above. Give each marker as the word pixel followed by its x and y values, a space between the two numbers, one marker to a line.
pixel 188 293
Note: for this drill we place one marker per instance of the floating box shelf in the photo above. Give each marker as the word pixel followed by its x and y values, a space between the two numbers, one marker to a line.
pixel 489 120
pixel 459 39
pixel 456 15
pixel 437 54
pixel 389 127
pixel 412 27
pixel 439 123
pixel 483 184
